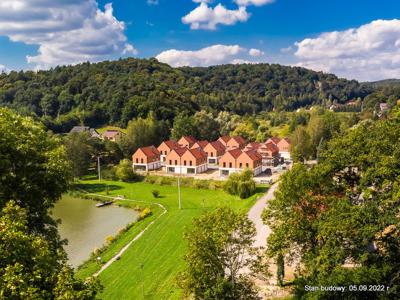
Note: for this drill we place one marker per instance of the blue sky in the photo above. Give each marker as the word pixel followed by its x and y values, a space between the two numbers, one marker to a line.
pixel 353 38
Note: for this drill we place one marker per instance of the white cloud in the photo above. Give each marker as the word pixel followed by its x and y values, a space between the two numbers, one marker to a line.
pixel 253 2
pixel 66 31
pixel 152 2
pixel 287 49
pixel 205 17
pixel 369 52
pixel 3 69
pixel 239 61
pixel 255 52
pixel 213 55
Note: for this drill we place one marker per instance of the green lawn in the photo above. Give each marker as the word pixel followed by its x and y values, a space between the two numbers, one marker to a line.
pixel 161 248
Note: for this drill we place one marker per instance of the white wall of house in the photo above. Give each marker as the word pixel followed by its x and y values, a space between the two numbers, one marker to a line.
pixel 163 158
pixel 213 162
pixel 147 167
pixel 224 172
pixel 285 155
pixel 186 170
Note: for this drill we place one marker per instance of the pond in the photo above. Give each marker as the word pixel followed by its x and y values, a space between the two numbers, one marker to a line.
pixel 86 227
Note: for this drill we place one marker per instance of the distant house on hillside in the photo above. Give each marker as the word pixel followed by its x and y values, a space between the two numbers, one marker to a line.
pixel 284 147
pixel 165 148
pixel 186 161
pixel 187 141
pixel 80 129
pixel 146 159
pixel 112 135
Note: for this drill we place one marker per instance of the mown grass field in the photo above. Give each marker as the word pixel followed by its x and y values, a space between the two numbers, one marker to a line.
pixel 161 249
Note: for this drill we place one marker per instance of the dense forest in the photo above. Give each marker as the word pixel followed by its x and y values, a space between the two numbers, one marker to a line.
pixel 119 91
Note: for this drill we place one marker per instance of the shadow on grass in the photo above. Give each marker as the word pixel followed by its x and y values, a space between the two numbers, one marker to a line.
pixel 98 187
pixel 262 189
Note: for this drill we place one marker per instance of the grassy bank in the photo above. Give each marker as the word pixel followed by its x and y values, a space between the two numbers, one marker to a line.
pixel 160 250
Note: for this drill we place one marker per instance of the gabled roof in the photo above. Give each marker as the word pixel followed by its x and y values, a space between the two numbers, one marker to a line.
pixel 180 151
pixel 189 139
pixel 198 153
pixel 275 139
pixel 111 133
pixel 79 129
pixel 253 145
pixel 200 144
pixel 225 138
pixel 150 151
pixel 235 153
pixel 240 140
pixel 171 144
pixel 287 139
pixel 217 145
pixel 254 155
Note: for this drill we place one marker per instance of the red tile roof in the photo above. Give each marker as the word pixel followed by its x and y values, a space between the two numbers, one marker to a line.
pixel 201 144
pixel 218 146
pixel 275 139
pixel 235 153
pixel 253 145
pixel 240 140
pixel 189 139
pixel 171 144
pixel 254 155
pixel 198 153
pixel 225 138
pixel 180 151
pixel 150 151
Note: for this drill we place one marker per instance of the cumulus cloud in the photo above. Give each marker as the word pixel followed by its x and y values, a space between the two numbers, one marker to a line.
pixel 369 52
pixel 253 2
pixel 213 55
pixel 3 69
pixel 255 52
pixel 152 2
pixel 66 31
pixel 206 17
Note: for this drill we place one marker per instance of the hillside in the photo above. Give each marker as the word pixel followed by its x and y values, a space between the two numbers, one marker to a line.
pixel 115 92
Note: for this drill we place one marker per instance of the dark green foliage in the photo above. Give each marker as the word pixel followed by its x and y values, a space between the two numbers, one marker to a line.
pixel 340 218
pixel 155 193
pixel 124 171
pixel 241 184
pixel 119 91
pixel 214 257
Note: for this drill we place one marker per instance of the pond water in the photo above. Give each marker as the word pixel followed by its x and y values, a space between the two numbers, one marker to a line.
pixel 86 226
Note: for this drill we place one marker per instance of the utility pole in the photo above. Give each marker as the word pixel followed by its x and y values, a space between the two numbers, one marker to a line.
pixel 179 183
pixel 141 268
pixel 98 167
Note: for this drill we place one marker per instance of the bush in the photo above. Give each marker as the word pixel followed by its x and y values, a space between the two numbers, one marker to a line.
pixel 155 193
pixel 124 171
pixel 241 184
pixel 109 174
pixel 145 213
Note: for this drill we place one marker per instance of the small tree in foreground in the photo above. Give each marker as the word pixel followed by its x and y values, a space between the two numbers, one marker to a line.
pixel 220 257
pixel 124 171
pixel 241 184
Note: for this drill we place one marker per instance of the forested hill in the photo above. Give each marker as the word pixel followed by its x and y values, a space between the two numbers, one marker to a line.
pixel 115 92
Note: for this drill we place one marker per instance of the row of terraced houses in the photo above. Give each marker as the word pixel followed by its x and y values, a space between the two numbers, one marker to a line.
pixel 227 154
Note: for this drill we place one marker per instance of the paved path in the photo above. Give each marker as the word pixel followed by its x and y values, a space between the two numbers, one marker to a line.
pixel 255 213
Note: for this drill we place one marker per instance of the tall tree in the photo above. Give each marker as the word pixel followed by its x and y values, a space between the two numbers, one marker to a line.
pixel 219 248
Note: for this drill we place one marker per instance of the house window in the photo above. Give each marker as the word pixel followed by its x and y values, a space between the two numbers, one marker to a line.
pixel 184 162
pixel 141 160
pixel 247 165
pixel 176 162
pixel 137 160
pixel 230 165
pixel 212 154
pixel 190 162
pixel 207 153
pixel 170 162
pixel 224 164
pixel 240 165
pixel 191 171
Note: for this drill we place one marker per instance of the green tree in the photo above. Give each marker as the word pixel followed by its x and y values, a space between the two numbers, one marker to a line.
pixel 219 247
pixel 241 184
pixel 34 170
pixel 207 126
pixel 184 125
pixel 79 152
pixel 301 147
pixel 124 171
pixel 340 218
pixel 29 268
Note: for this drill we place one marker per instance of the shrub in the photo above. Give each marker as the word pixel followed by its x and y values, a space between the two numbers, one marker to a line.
pixel 109 239
pixel 145 213
pixel 124 171
pixel 241 184
pixel 155 193
pixel 108 174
